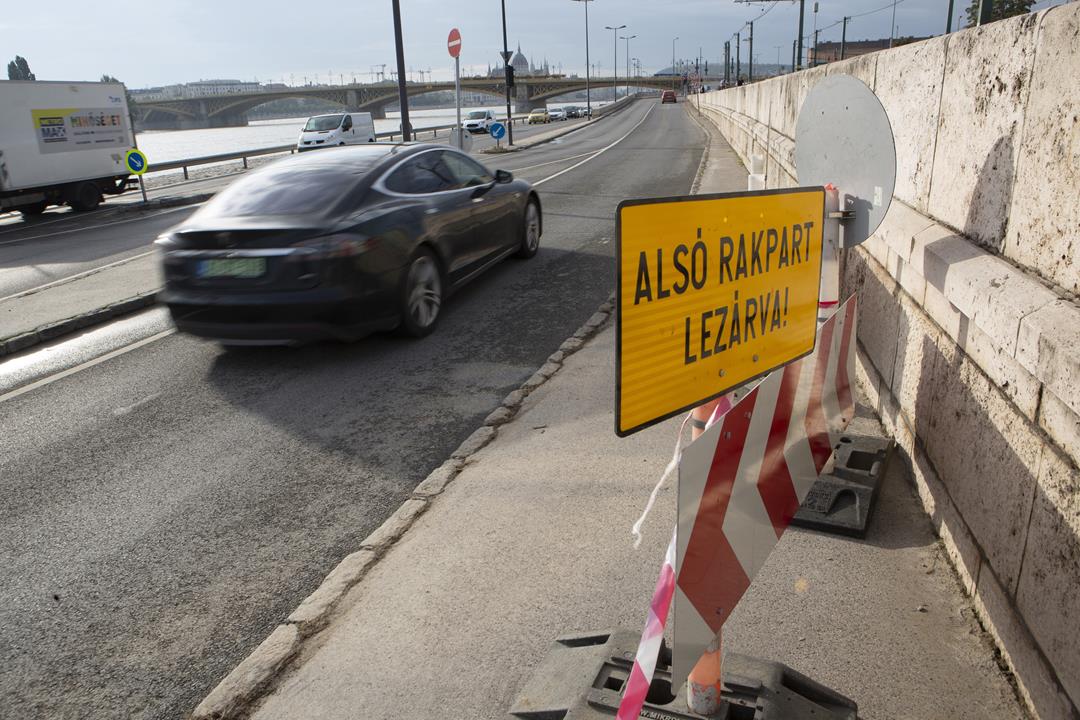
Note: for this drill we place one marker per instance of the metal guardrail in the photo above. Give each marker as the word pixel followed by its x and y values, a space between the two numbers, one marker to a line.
pixel 244 155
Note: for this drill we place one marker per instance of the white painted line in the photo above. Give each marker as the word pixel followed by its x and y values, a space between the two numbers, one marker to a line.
pixel 60 216
pixel 94 227
pixel 551 162
pixel 76 276
pixel 88 364
pixel 599 152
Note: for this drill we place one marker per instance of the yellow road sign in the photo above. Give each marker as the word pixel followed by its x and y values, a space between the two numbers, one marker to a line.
pixel 713 291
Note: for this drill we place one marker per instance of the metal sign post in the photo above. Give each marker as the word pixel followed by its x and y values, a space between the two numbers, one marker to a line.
pixel 135 146
pixel 136 163
pixel 453 46
pixel 497 131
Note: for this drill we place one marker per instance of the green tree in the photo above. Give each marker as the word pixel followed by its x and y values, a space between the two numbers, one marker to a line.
pixel 19 69
pixel 127 93
pixel 1002 9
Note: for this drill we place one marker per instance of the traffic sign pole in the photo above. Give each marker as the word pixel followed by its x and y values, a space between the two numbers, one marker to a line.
pixel 453 46
pixel 457 96
pixel 135 144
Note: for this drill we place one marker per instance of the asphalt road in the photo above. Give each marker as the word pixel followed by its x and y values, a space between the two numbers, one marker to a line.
pixel 165 507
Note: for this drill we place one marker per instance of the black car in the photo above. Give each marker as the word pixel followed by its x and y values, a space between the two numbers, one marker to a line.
pixel 342 243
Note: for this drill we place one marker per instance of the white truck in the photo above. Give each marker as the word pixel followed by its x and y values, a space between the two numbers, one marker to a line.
pixel 322 131
pixel 62 143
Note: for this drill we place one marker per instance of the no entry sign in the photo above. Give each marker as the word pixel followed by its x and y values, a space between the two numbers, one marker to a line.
pixel 713 291
pixel 453 43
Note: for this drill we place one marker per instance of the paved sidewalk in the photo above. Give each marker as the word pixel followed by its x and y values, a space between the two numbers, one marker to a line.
pixel 532 541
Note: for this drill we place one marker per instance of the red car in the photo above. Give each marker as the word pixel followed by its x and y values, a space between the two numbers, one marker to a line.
pixel 668 96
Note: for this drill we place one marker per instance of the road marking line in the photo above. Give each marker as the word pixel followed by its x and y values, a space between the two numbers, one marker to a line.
pixel 599 152
pixel 64 214
pixel 88 364
pixel 551 162
pixel 76 276
pixel 94 227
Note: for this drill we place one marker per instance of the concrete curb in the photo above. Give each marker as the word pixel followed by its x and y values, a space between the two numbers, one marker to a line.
pixel 45 333
pixel 170 201
pixel 235 696
pixel 695 115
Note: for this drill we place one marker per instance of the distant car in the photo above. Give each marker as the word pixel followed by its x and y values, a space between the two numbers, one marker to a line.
pixel 557 114
pixel 573 111
pixel 342 243
pixel 539 116
pixel 321 131
pixel 668 96
pixel 479 121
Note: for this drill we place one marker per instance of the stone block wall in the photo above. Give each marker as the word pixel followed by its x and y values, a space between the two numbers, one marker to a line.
pixel 969 322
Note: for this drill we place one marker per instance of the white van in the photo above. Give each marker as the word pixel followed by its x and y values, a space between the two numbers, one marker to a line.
pixel 338 129
pixel 479 121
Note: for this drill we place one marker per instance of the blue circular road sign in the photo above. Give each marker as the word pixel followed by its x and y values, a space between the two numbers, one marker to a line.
pixel 135 161
pixel 497 130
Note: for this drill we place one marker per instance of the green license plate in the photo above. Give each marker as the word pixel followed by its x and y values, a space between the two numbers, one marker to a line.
pixel 232 268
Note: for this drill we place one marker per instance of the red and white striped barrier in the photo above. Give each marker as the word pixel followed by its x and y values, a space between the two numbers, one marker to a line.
pixel 757 460
pixel 641 675
pixel 742 481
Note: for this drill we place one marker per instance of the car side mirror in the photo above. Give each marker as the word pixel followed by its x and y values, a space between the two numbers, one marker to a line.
pixel 503 176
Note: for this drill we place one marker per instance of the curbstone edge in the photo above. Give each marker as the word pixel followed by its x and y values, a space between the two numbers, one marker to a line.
pixel 480 437
pixel 438 479
pixel 313 613
pixel 394 526
pixel 251 676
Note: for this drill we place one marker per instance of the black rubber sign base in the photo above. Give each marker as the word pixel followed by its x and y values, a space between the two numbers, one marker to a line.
pixel 843 500
pixel 583 677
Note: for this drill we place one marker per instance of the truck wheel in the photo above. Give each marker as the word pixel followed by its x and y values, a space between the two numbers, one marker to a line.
pixel 33 210
pixel 86 196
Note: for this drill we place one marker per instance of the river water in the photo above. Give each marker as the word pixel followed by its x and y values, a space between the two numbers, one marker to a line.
pixel 169 145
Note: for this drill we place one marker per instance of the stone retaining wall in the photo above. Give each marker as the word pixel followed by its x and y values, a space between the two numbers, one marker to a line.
pixel 969 327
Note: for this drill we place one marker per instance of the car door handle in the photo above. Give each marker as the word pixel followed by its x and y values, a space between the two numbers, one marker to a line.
pixel 431 211
pixel 477 200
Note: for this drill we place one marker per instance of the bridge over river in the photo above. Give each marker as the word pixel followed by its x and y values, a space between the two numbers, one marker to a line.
pixel 231 110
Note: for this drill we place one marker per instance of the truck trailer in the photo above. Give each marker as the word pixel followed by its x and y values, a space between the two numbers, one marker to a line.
pixel 62 143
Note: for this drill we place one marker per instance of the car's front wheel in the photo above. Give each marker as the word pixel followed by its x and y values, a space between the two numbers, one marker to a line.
pixel 530 231
pixel 422 296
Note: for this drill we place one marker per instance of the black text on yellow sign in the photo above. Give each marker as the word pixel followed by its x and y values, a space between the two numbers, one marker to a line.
pixel 713 291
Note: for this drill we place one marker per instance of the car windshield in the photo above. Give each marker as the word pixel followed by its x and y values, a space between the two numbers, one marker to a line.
pixel 321 123
pixel 286 190
pixel 476 115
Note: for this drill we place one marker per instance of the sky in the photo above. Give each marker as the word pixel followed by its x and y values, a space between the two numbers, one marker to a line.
pixel 169 41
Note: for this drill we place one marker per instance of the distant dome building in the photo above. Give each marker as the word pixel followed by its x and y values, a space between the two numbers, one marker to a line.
pixel 520 63
pixel 522 66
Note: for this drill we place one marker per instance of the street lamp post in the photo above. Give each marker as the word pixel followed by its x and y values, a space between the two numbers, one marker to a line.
pixel 615 68
pixel 588 88
pixel 627 38
pixel 673 62
pixel 403 97
pixel 506 79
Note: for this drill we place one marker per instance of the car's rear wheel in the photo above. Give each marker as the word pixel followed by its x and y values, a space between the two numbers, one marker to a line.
pixel 422 296
pixel 530 231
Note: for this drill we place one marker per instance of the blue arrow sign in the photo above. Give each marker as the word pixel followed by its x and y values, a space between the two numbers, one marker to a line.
pixel 135 161
pixel 497 130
